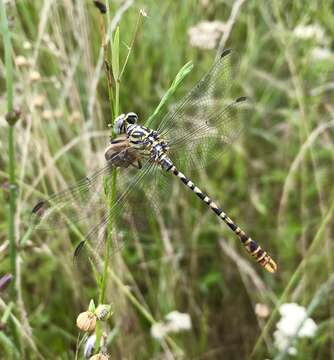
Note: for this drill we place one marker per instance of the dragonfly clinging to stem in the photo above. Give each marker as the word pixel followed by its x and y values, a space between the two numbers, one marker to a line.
pixel 187 135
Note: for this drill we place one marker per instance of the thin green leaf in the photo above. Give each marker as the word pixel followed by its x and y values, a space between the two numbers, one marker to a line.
pixel 91 306
pixel 115 55
pixel 7 312
pixel 8 346
pixel 183 72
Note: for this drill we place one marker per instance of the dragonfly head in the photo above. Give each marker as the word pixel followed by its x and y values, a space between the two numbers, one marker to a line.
pixel 123 120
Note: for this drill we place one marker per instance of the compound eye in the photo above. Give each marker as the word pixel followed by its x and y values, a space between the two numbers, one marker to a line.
pixel 131 117
pixel 119 124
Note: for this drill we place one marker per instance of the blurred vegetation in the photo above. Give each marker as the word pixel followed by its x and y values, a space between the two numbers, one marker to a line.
pixel 276 181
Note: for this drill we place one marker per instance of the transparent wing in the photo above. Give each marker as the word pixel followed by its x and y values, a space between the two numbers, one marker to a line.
pixel 131 191
pixel 202 98
pixel 74 204
pixel 88 200
pixel 206 140
pixel 207 119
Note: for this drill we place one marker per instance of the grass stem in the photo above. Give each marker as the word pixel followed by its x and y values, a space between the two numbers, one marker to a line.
pixel 11 152
pixel 111 195
pixel 139 20
pixel 11 157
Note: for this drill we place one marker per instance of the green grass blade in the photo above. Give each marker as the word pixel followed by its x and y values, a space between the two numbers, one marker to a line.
pixel 181 75
pixel 115 68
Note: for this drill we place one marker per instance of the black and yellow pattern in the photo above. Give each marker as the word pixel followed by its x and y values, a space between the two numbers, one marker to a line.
pixel 261 256
pixel 149 144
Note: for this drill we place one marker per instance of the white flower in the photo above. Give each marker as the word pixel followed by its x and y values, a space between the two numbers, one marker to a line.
pixel 293 324
pixel 312 31
pixel 178 321
pixel 293 316
pixel 293 309
pixel 174 322
pixel 158 330
pixel 321 53
pixel 205 35
pixel 282 342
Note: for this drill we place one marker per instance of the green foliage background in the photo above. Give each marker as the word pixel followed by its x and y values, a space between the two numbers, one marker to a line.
pixel 277 181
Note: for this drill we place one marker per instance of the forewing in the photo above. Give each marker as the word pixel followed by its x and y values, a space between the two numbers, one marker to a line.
pixel 201 124
pixel 206 140
pixel 201 100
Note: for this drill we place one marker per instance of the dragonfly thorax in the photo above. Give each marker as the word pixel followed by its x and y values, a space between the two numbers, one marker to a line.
pixel 145 141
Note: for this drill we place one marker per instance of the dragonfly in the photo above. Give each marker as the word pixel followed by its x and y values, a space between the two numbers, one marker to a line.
pixel 195 131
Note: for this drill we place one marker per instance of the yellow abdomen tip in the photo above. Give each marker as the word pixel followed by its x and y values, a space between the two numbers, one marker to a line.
pixel 271 266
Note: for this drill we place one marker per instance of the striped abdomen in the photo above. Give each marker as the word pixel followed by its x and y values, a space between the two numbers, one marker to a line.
pixel 261 256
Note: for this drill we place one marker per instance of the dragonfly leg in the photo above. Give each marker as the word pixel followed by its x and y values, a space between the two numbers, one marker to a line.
pixel 138 165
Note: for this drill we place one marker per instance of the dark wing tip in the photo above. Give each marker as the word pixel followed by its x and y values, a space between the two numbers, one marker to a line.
pixel 37 208
pixel 241 99
pixel 225 53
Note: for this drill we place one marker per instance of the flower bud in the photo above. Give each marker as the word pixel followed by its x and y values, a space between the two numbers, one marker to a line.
pixel 103 312
pixel 86 321
pixel 27 45
pixel 34 76
pixel 21 61
pixel 58 113
pixel 47 114
pixel 262 310
pixel 38 101
pixel 13 116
